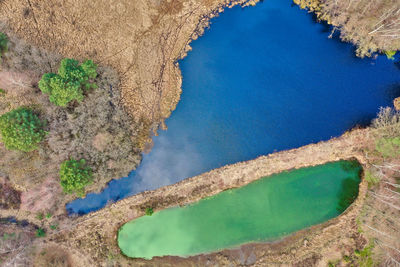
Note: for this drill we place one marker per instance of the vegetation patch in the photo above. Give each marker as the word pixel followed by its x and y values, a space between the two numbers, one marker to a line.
pixel 21 129
pixel 149 211
pixel 390 54
pixel 388 147
pixel 9 197
pixel 52 256
pixel 371 178
pixel 72 80
pixel 15 239
pixel 75 175
pixel 361 257
pixel 40 232
pixel 3 44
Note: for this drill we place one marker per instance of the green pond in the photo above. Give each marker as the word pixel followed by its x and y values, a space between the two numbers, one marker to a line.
pixel 265 210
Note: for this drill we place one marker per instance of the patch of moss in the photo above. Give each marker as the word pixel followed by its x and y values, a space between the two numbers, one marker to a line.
pixel 371 179
pixel 388 147
pixel 390 54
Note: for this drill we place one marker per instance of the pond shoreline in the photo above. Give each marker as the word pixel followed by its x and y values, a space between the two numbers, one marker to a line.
pixel 93 237
pixel 265 210
pixel 105 223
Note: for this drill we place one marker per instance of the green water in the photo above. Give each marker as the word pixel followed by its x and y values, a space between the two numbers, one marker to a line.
pixel 264 210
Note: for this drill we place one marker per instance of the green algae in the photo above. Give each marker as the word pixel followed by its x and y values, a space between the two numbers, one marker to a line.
pixel 264 210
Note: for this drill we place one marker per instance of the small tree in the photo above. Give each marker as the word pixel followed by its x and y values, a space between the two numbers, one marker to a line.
pixel 149 211
pixel 21 129
pixel 40 232
pixel 70 82
pixel 3 43
pixel 75 175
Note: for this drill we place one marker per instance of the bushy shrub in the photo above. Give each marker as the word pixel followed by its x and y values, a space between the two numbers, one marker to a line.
pixel 3 43
pixel 21 129
pixel 70 82
pixel 40 232
pixel 149 211
pixel 75 175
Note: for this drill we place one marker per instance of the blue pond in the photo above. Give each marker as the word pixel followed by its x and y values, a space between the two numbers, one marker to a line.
pixel 261 79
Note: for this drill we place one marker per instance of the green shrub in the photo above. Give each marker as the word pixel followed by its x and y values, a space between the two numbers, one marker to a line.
pixel 21 129
pixel 388 147
pixel 40 232
pixel 149 211
pixel 3 43
pixel 390 54
pixel 75 175
pixel 364 256
pixel 70 82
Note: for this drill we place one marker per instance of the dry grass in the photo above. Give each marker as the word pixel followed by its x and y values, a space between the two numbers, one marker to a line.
pixel 72 130
pixel 52 256
pixel 15 242
pixel 372 25
pixel 140 39
pixel 95 234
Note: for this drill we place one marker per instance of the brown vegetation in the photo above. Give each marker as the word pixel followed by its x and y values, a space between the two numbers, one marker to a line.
pixel 372 25
pixel 52 256
pixel 141 39
pixel 396 103
pixel 15 241
pixel 380 215
pixel 9 197
pixel 95 234
pixel 73 131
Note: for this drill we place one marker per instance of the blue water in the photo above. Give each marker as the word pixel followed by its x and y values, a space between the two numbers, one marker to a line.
pixel 261 79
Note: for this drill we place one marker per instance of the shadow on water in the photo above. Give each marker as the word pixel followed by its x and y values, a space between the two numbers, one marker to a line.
pixel 393 91
pixel 347 194
pixel 350 186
